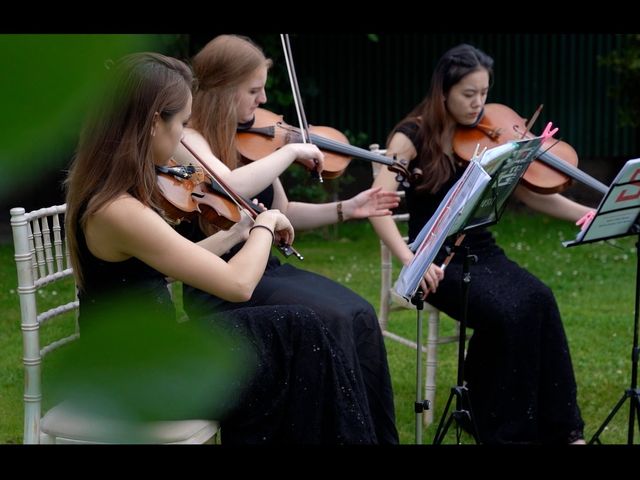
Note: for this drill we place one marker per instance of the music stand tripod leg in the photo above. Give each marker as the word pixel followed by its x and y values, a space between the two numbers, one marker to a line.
pixel 420 404
pixel 463 411
pixel 632 393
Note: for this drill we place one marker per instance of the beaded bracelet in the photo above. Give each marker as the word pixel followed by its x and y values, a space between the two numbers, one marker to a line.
pixel 340 214
pixel 273 237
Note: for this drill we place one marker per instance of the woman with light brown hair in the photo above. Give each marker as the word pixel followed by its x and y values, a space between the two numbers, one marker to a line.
pixel 232 72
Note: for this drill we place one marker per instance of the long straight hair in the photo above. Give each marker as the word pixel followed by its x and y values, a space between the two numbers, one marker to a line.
pixel 114 155
pixel 220 67
pixel 432 116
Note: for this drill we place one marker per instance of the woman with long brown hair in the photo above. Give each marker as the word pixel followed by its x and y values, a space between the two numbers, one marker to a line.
pixel 302 389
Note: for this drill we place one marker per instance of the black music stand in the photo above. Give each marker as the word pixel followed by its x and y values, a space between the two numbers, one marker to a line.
pixel 463 413
pixel 478 199
pixel 618 216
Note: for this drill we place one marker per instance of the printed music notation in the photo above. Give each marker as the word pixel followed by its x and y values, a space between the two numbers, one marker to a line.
pixel 477 199
pixel 619 210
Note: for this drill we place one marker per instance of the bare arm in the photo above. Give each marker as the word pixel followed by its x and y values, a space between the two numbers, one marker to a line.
pixel 386 227
pixel 554 205
pixel 125 228
pixel 251 179
pixel 222 241
pixel 372 202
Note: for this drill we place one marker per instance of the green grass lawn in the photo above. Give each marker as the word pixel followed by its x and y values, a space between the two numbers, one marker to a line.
pixel 594 285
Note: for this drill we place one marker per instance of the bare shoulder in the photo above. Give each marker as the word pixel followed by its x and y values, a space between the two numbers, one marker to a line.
pixel 191 134
pixel 123 207
pixel 402 146
pixel 124 227
pixel 124 215
pixel 198 144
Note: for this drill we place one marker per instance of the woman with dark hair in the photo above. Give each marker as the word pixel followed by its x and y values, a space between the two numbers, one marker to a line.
pixel 518 368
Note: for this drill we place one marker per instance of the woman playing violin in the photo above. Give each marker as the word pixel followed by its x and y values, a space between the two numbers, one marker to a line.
pixel 303 389
pixel 518 368
pixel 232 72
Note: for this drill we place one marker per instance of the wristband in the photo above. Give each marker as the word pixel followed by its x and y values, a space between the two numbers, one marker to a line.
pixel 273 237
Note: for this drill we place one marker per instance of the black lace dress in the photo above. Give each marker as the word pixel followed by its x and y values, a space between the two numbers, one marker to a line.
pixel 351 323
pixel 518 368
pixel 301 388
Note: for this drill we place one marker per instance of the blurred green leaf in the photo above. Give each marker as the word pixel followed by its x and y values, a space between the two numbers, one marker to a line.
pixel 46 85
pixel 135 365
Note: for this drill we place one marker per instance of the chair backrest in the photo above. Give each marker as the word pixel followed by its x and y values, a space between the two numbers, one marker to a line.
pixel 47 292
pixel 386 260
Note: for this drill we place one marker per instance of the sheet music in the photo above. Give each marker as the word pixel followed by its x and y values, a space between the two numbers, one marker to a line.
pixel 457 203
pixel 506 164
pixel 433 234
pixel 619 210
pixel 468 203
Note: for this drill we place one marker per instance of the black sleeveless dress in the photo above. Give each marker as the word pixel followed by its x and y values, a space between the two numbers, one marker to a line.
pixel 350 321
pixel 518 368
pixel 301 389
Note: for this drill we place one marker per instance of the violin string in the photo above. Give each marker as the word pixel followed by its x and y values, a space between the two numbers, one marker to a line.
pixel 553 161
pixel 352 150
pixel 550 147
pixel 286 249
pixel 240 203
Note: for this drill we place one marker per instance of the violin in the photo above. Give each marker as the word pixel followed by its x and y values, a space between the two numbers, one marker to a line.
pixel 553 169
pixel 268 132
pixel 217 184
pixel 186 195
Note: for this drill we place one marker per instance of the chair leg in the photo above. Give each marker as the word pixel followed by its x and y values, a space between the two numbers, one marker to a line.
pixel 431 364
pixel 385 286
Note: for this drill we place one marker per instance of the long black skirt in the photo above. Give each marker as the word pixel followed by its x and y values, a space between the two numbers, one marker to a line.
pixel 300 390
pixel 351 327
pixel 518 368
